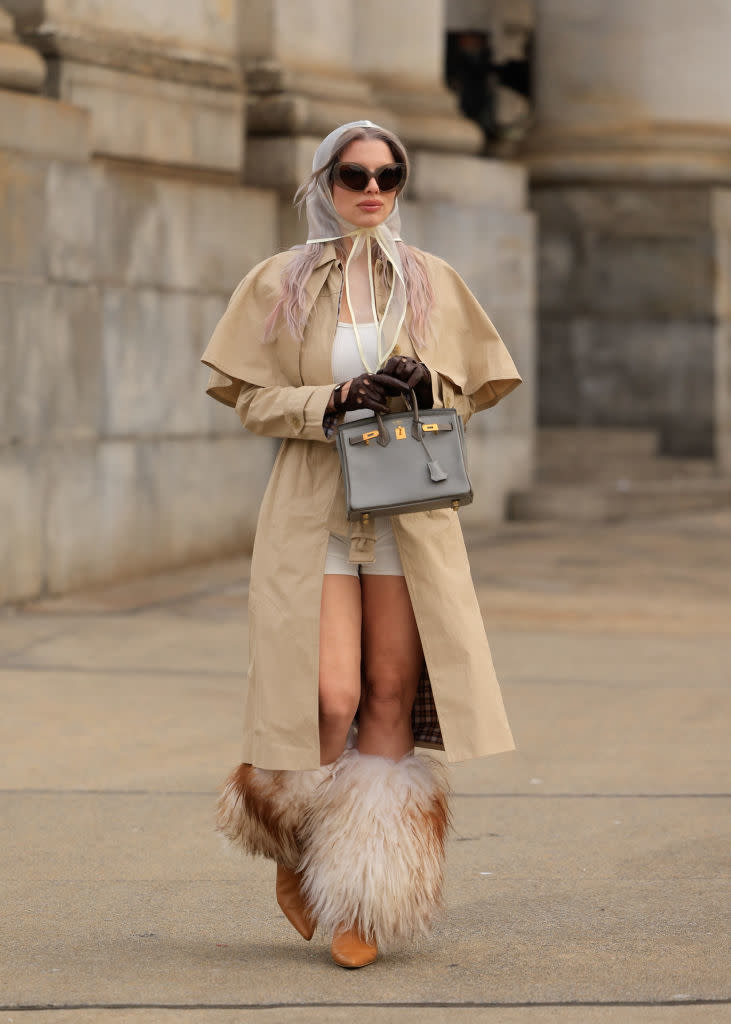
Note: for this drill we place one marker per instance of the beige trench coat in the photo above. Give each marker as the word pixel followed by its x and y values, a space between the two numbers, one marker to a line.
pixel 281 389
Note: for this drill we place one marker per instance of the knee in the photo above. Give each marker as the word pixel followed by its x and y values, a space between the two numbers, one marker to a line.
pixel 338 708
pixel 387 690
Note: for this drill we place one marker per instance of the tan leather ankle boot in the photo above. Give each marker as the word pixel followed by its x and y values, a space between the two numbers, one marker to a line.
pixel 291 901
pixel 350 949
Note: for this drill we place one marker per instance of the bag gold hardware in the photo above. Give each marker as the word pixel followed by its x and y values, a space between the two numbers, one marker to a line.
pixel 430 426
pixel 455 505
pixel 400 433
pixel 369 435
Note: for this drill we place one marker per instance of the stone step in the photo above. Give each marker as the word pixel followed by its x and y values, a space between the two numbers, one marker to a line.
pixel 581 455
pixel 627 499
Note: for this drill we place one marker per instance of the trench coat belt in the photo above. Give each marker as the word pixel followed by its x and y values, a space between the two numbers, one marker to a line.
pixel 362 542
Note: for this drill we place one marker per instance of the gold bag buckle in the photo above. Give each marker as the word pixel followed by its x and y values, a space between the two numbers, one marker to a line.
pixel 369 435
pixel 430 426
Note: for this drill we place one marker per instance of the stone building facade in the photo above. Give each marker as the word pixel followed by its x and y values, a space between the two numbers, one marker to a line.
pixel 148 156
pixel 630 165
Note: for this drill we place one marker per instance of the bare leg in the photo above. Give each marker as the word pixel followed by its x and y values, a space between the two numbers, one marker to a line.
pixel 393 662
pixel 340 629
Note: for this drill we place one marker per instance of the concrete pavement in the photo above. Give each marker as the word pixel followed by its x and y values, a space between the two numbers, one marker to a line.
pixel 586 871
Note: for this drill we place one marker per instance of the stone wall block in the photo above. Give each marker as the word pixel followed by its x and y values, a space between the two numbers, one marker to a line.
pixel 52 359
pixel 172 234
pixel 122 509
pixel 308 36
pixel 22 510
pixel 722 230
pixel 591 274
pixel 492 249
pixel 721 209
pixel 143 233
pixel 723 398
pixel 36 125
pixel 414 215
pixel 232 229
pixel 168 122
pixel 659 211
pixel 100 523
pixel 22 216
pixel 497 466
pixel 210 493
pixel 632 373
pixel 516 413
pixel 723 276
pixel 452 177
pixel 153 380
pixel 198 29
pixel 283 162
pixel 47 218
pixel 71 221
pixel 292 225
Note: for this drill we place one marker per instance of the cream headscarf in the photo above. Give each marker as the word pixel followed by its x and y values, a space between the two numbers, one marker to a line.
pixel 326 225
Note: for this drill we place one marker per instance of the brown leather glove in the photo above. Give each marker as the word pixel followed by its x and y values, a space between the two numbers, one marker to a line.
pixel 369 391
pixel 414 375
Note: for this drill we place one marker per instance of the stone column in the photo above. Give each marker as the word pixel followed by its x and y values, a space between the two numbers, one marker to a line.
pixel 399 50
pixel 630 161
pixel 297 56
pixel 161 80
pixel 629 90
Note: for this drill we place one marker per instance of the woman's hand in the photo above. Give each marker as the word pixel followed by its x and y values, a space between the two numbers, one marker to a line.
pixel 413 374
pixel 364 392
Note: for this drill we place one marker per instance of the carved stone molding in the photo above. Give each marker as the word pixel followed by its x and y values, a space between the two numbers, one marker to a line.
pixel 20 66
pixel 125 39
pixel 162 82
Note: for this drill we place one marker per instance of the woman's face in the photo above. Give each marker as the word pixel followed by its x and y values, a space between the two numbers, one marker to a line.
pixel 370 208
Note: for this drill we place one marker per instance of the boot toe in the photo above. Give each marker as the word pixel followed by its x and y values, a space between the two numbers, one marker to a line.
pixel 350 949
pixel 292 904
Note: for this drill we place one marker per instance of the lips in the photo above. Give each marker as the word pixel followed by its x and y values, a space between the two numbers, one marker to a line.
pixel 370 207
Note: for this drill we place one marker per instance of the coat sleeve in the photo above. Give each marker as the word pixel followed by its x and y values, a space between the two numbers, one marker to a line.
pixel 449 396
pixel 284 411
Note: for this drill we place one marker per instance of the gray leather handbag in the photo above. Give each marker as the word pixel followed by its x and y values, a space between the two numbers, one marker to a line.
pixel 403 462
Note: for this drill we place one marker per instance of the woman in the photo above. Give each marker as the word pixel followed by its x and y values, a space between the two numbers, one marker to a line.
pixel 378 625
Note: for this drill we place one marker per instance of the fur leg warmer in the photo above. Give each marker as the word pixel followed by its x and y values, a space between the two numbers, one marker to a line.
pixel 373 846
pixel 262 810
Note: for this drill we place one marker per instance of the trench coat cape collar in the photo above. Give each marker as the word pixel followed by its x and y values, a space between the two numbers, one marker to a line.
pixel 463 346
pixel 281 389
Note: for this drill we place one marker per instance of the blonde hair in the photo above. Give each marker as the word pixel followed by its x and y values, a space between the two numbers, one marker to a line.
pixel 292 303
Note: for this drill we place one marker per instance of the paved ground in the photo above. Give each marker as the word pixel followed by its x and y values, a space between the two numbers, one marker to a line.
pixel 586 872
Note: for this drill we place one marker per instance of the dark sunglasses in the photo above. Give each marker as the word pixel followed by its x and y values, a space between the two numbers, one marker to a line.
pixel 356 177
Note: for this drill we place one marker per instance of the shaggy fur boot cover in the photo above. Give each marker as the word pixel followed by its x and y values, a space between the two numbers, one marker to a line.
pixel 373 846
pixel 262 810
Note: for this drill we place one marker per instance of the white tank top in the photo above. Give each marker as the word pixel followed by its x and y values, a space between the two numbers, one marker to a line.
pixel 346 361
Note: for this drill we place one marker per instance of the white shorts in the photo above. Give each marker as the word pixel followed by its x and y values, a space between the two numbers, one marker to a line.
pixel 387 563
